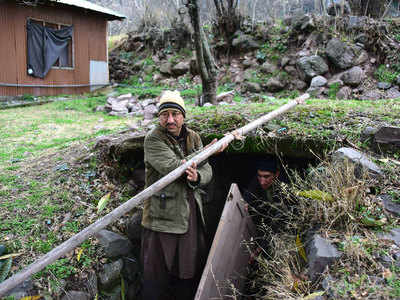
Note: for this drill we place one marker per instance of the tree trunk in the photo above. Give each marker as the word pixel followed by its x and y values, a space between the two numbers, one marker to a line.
pixel 371 8
pixel 205 60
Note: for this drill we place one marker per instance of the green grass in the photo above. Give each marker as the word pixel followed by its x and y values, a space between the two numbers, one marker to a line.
pixel 31 131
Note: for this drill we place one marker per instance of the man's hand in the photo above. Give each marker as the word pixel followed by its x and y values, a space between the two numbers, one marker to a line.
pixel 223 147
pixel 191 173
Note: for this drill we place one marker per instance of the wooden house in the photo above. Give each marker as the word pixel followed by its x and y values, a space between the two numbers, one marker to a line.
pixel 51 47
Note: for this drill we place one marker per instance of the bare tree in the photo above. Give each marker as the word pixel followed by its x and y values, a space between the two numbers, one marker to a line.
pixel 205 60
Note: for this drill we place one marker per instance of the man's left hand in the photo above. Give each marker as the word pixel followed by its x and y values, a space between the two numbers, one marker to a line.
pixel 191 173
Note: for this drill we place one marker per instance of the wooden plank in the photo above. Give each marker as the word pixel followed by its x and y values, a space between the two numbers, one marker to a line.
pixel 8 72
pixel 228 258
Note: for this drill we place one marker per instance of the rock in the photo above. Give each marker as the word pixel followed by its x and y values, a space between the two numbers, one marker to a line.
pixel 356 23
pixel 315 91
pixel 341 55
pixel 371 95
pixel 22 290
pixel 268 68
pixel 389 205
pixel 124 97
pixel 388 135
pixel 362 58
pixel 353 77
pixel 165 68
pixel 384 85
pixel 318 81
pixel 393 93
pixel 148 102
pixel 274 84
pixel 114 244
pixel 320 254
pixel 302 22
pixel 328 284
pixel 150 112
pixel 398 80
pixel 344 93
pixel 76 295
pixel 248 63
pixel 393 235
pixel 252 87
pixel 180 68
pixel 361 161
pixel 368 133
pixel 291 70
pixel 110 275
pixel 311 66
pixel 299 84
pixel 248 75
pixel 361 38
pixel 244 42
pixel 284 61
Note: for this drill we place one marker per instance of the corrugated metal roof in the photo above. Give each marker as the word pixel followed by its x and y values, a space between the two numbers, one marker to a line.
pixel 91 6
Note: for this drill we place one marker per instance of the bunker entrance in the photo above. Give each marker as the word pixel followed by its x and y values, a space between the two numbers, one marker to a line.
pixel 228 220
pixel 242 170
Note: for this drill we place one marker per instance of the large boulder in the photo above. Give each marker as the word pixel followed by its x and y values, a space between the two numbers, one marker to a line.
pixel 359 159
pixel 311 66
pixel 166 68
pixel 356 23
pixel 344 93
pixel 268 68
pixel 114 245
pixel 320 254
pixel 392 93
pixel 244 43
pixel 180 68
pixel 353 77
pixel 302 22
pixel 318 81
pixel 275 84
pixel 340 54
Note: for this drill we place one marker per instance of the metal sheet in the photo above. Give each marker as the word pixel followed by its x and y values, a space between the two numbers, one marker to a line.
pixel 228 258
pixel 98 73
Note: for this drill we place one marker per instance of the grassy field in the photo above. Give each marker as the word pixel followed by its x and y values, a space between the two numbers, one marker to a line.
pixel 48 192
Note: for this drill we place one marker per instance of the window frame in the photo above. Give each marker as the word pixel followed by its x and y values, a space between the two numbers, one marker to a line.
pixel 71 51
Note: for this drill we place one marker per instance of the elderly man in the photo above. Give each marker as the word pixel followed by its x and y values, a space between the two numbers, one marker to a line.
pixel 173 241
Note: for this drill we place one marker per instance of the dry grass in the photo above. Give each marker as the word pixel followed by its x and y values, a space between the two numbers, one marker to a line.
pixel 334 200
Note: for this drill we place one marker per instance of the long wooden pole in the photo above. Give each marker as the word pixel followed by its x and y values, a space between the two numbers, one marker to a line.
pixel 80 237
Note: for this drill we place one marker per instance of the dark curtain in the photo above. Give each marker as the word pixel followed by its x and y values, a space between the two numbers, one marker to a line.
pixel 45 46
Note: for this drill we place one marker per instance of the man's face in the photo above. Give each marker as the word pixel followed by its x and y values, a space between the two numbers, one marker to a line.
pixel 172 120
pixel 266 178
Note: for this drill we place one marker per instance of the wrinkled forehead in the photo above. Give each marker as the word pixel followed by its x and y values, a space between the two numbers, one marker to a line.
pixel 169 110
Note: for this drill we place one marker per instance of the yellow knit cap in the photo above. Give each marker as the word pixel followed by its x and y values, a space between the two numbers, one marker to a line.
pixel 171 99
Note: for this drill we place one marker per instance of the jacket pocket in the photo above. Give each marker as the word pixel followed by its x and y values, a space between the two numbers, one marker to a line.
pixel 163 205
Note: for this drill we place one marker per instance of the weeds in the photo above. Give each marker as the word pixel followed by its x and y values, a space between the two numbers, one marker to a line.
pixel 332 199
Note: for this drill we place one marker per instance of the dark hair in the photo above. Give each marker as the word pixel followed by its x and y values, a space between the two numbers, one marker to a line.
pixel 267 164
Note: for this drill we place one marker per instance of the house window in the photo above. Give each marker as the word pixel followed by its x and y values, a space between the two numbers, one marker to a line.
pixel 50 45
